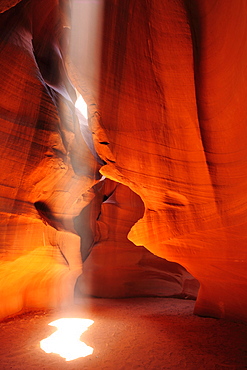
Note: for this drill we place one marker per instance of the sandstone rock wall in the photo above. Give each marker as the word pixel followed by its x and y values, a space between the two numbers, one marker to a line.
pixel 114 266
pixel 170 129
pixel 174 118
pixel 45 165
pixel 51 217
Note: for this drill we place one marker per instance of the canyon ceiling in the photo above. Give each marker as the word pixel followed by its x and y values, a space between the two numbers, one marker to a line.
pixel 146 197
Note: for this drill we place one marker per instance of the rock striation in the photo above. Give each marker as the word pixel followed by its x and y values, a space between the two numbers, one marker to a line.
pixel 46 165
pixel 173 88
pixel 52 213
pixel 114 267
pixel 169 135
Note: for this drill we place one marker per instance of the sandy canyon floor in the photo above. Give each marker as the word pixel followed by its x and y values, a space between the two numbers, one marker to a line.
pixel 142 333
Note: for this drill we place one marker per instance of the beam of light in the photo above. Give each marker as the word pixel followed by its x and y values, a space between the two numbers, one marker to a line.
pixel 81 105
pixel 85 50
pixel 66 340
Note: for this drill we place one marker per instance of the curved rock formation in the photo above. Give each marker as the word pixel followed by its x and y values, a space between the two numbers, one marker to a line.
pixel 46 165
pixel 7 4
pixel 174 118
pixel 171 128
pixel 114 266
pixel 49 166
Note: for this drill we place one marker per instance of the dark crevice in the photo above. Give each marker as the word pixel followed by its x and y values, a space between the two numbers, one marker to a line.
pixel 47 216
pixel 109 160
pixel 105 197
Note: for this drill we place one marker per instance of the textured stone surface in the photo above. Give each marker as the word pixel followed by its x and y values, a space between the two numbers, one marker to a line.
pixel 47 171
pixel 116 267
pixel 7 4
pixel 45 164
pixel 174 114
pixel 171 126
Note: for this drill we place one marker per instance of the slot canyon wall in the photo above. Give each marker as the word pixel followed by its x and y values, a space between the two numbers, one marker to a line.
pixel 169 134
pixel 43 171
pixel 174 114
pixel 57 218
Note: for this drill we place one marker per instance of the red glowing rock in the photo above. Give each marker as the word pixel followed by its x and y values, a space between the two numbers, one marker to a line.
pixel 174 114
pixel 116 267
pixel 7 4
pixel 171 127
pixel 48 167
pixel 45 167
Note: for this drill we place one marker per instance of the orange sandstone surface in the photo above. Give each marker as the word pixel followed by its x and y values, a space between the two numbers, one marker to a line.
pixel 45 164
pixel 172 98
pixel 115 267
pixel 169 136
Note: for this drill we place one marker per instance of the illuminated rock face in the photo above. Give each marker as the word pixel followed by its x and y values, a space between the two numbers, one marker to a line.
pixel 45 167
pixel 174 117
pixel 115 266
pixel 7 4
pixel 172 103
pixel 47 171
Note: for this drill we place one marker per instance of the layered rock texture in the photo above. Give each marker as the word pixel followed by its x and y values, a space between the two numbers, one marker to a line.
pixel 115 267
pixel 173 106
pixel 45 164
pixel 168 134
pixel 52 213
